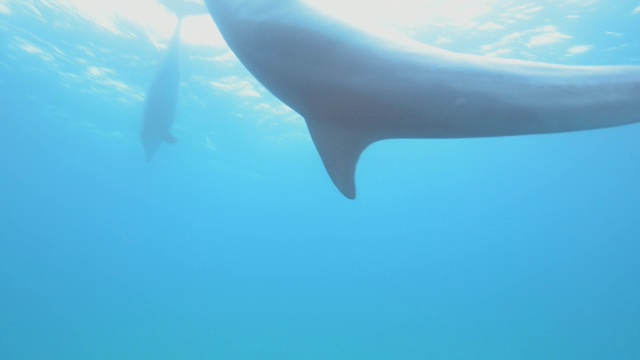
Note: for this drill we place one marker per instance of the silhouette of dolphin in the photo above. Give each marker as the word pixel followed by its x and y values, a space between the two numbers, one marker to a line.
pixel 354 88
pixel 162 95
pixel 161 99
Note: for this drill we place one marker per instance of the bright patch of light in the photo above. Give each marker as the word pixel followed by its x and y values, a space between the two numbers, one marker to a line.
pixel 549 35
pixel 201 30
pixel 579 49
pixel 501 47
pixel 519 13
pixel 408 13
pixel 105 80
pixel 110 14
pixel 278 109
pixel 116 16
pixel 491 26
pixel 499 52
pixel 612 33
pixel 98 72
pixel 32 49
pixel 4 8
pixel 236 85
pixel 527 14
pixel 581 2
pixel 636 11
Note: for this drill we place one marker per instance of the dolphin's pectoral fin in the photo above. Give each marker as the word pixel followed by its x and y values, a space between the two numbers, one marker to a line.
pixel 339 147
pixel 169 138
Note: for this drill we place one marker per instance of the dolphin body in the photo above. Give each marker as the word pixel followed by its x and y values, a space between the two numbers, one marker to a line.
pixel 162 95
pixel 161 100
pixel 354 88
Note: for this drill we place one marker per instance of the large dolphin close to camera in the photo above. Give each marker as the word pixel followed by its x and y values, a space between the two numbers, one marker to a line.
pixel 354 88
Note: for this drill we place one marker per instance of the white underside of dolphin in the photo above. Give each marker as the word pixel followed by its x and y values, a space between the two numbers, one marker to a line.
pixel 354 88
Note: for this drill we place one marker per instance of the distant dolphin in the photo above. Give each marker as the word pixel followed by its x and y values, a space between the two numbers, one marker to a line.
pixel 354 88
pixel 162 96
pixel 161 100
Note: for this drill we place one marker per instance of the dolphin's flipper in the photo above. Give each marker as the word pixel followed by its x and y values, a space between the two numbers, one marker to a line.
pixel 339 148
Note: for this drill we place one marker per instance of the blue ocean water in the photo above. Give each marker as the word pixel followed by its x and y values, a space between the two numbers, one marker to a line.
pixel 234 244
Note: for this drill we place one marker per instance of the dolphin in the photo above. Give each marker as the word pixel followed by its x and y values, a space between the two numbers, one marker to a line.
pixel 162 95
pixel 161 99
pixel 354 87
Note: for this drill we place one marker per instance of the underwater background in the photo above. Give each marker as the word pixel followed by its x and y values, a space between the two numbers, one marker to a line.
pixel 234 244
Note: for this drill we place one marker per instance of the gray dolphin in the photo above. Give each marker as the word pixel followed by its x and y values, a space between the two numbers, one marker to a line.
pixel 161 100
pixel 162 95
pixel 354 88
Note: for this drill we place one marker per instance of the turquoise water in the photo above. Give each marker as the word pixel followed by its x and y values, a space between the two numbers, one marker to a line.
pixel 234 244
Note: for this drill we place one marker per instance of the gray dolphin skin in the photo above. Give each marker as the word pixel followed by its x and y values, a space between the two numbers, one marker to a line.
pixel 161 100
pixel 354 88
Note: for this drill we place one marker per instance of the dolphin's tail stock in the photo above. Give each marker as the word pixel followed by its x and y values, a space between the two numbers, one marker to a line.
pixel 175 38
pixel 184 8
